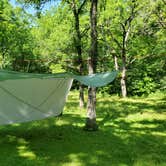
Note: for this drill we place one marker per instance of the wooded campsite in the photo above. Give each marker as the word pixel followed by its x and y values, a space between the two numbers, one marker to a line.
pixel 114 51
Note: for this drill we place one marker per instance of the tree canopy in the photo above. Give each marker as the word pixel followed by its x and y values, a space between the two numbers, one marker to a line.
pixel 131 34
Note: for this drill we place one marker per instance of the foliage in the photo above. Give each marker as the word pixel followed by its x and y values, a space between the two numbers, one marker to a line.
pixel 15 39
pixel 149 72
pixel 47 43
pixel 144 47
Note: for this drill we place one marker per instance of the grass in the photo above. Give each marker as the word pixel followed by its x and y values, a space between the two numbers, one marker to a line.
pixel 132 133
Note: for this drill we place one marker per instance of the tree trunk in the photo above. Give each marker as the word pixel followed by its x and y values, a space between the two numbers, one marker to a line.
pixel 80 61
pixel 123 77
pixel 124 46
pixel 81 95
pixel 78 46
pixel 116 62
pixel 91 124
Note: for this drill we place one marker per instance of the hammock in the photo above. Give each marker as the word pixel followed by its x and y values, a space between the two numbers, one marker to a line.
pixel 26 97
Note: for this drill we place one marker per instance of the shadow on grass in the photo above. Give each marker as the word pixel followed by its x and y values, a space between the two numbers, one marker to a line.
pixel 35 144
pixel 122 108
pixel 61 141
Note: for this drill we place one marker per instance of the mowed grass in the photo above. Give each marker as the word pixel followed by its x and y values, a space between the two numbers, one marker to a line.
pixel 132 132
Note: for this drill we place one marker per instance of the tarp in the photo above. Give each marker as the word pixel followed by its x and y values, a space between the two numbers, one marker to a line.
pixel 26 97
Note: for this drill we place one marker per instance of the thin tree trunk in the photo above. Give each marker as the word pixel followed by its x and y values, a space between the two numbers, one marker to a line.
pixel 116 62
pixel 80 61
pixel 126 31
pixel 81 96
pixel 123 77
pixel 92 64
pixel 78 46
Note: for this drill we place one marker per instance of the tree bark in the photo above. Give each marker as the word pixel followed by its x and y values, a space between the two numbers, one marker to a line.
pixel 80 60
pixel 123 77
pixel 81 96
pixel 91 124
pixel 116 62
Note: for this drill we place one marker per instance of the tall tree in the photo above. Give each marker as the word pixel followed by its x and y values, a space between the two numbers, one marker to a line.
pixel 119 28
pixel 126 28
pixel 92 65
pixel 78 42
pixel 76 7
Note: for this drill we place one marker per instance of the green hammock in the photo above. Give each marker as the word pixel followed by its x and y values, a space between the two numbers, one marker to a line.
pixel 26 97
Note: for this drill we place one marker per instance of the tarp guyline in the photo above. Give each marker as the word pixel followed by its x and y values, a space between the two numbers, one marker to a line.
pixel 26 96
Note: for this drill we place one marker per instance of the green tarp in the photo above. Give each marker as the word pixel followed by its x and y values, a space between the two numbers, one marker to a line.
pixel 94 80
pixel 26 97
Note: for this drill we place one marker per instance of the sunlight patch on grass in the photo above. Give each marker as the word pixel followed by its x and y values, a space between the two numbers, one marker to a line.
pixel 157 133
pixel 138 125
pixel 144 162
pixel 16 124
pixel 147 160
pixel 75 161
pixel 24 151
pixel 145 116
pixel 60 122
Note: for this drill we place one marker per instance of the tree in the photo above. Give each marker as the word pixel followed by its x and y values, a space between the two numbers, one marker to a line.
pixel 76 8
pixel 130 31
pixel 121 38
pixel 78 42
pixel 15 38
pixel 92 65
pixel 92 61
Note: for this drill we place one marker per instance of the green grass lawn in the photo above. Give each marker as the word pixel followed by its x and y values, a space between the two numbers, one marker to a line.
pixel 132 132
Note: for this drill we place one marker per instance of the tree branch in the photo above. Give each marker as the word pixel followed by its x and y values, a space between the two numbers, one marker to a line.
pixel 82 5
pixel 115 40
